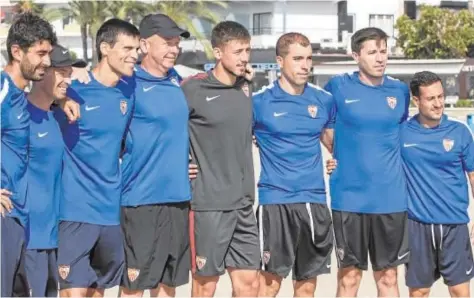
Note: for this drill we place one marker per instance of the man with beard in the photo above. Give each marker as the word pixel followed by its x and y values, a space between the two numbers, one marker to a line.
pixel 90 251
pixel 156 188
pixel 29 43
pixel 291 116
pixel 368 188
pixel 223 231
pixel 44 173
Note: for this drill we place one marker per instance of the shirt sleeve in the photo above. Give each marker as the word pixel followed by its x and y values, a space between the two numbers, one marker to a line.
pixel 332 109
pixel 407 103
pixel 468 150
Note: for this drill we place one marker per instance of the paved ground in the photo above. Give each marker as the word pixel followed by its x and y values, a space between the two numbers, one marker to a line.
pixel 327 283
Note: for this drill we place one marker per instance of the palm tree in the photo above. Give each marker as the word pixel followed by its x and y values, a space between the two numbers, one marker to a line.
pixel 182 12
pixel 22 6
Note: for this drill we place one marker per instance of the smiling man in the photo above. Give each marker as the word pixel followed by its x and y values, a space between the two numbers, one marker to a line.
pixel 438 152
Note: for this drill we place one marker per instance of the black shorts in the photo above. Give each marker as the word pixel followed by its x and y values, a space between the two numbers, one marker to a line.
pixel 296 237
pixel 156 245
pixel 383 236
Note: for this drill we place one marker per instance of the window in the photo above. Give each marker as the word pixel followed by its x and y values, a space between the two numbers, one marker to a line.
pixel 262 23
pixel 382 21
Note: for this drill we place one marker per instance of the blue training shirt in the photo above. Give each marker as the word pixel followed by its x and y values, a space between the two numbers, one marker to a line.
pixel 369 177
pixel 15 139
pixel 436 161
pixel 287 128
pixel 156 157
pixel 44 178
pixel 92 179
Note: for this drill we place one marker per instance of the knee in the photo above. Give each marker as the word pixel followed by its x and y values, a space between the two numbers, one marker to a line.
pixel 419 292
pixel 75 292
pixel 388 278
pixel 269 285
pixel 350 278
pixel 204 286
pixel 305 288
pixel 246 286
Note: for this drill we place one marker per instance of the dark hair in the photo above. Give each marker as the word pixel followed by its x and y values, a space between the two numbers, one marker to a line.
pixel 362 35
pixel 26 30
pixel 422 78
pixel 227 31
pixel 288 39
pixel 110 30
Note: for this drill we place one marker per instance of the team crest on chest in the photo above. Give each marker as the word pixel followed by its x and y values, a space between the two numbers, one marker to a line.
pixel 63 271
pixel 123 106
pixel 174 81
pixel 133 274
pixel 246 89
pixel 392 102
pixel 313 111
pixel 448 144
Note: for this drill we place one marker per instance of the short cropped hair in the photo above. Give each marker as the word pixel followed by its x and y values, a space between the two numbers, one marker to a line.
pixel 287 39
pixel 362 35
pixel 26 30
pixel 422 78
pixel 110 30
pixel 227 31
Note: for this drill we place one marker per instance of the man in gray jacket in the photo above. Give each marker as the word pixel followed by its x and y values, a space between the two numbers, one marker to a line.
pixel 224 233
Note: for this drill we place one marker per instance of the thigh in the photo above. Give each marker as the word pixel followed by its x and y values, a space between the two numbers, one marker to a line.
pixel 108 257
pixel 13 258
pixel 351 232
pixel 422 270
pixel 177 267
pixel 244 249
pixel 388 245
pixel 455 254
pixel 278 237
pixel 76 241
pixel 313 256
pixel 211 233
pixel 146 231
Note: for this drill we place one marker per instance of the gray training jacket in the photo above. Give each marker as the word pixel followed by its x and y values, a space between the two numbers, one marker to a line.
pixel 220 129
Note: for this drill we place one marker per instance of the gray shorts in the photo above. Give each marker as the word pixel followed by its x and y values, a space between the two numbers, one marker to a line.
pixel 223 239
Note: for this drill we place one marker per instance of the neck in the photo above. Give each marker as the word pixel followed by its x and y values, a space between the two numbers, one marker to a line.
pixel 289 87
pixel 428 123
pixel 224 76
pixel 370 80
pixel 105 75
pixel 14 71
pixel 40 98
pixel 153 68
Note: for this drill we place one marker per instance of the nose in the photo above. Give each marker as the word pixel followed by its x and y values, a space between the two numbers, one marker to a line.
pixel 68 81
pixel 134 54
pixel 47 61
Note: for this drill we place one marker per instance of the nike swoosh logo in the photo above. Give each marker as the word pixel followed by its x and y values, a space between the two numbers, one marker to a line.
pixel 65 52
pixel 351 100
pixel 409 145
pixel 211 98
pixel 328 265
pixel 402 256
pixel 279 114
pixel 19 116
pixel 148 89
pixel 469 271
pixel 40 135
pixel 91 108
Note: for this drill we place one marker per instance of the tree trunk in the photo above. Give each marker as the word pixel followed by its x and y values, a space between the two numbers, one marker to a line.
pixel 84 42
pixel 94 50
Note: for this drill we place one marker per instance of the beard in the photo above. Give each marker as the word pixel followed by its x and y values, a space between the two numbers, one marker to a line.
pixel 28 71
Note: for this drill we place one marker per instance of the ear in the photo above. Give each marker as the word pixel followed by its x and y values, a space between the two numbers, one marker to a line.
pixel 17 52
pixel 355 56
pixel 416 101
pixel 279 60
pixel 144 46
pixel 104 48
pixel 217 53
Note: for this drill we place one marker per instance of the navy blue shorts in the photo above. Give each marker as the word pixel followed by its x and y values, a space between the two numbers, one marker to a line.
pixel 42 272
pixel 438 250
pixel 89 255
pixel 14 280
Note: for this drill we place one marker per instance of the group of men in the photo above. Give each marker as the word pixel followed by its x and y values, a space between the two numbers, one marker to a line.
pixel 96 187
